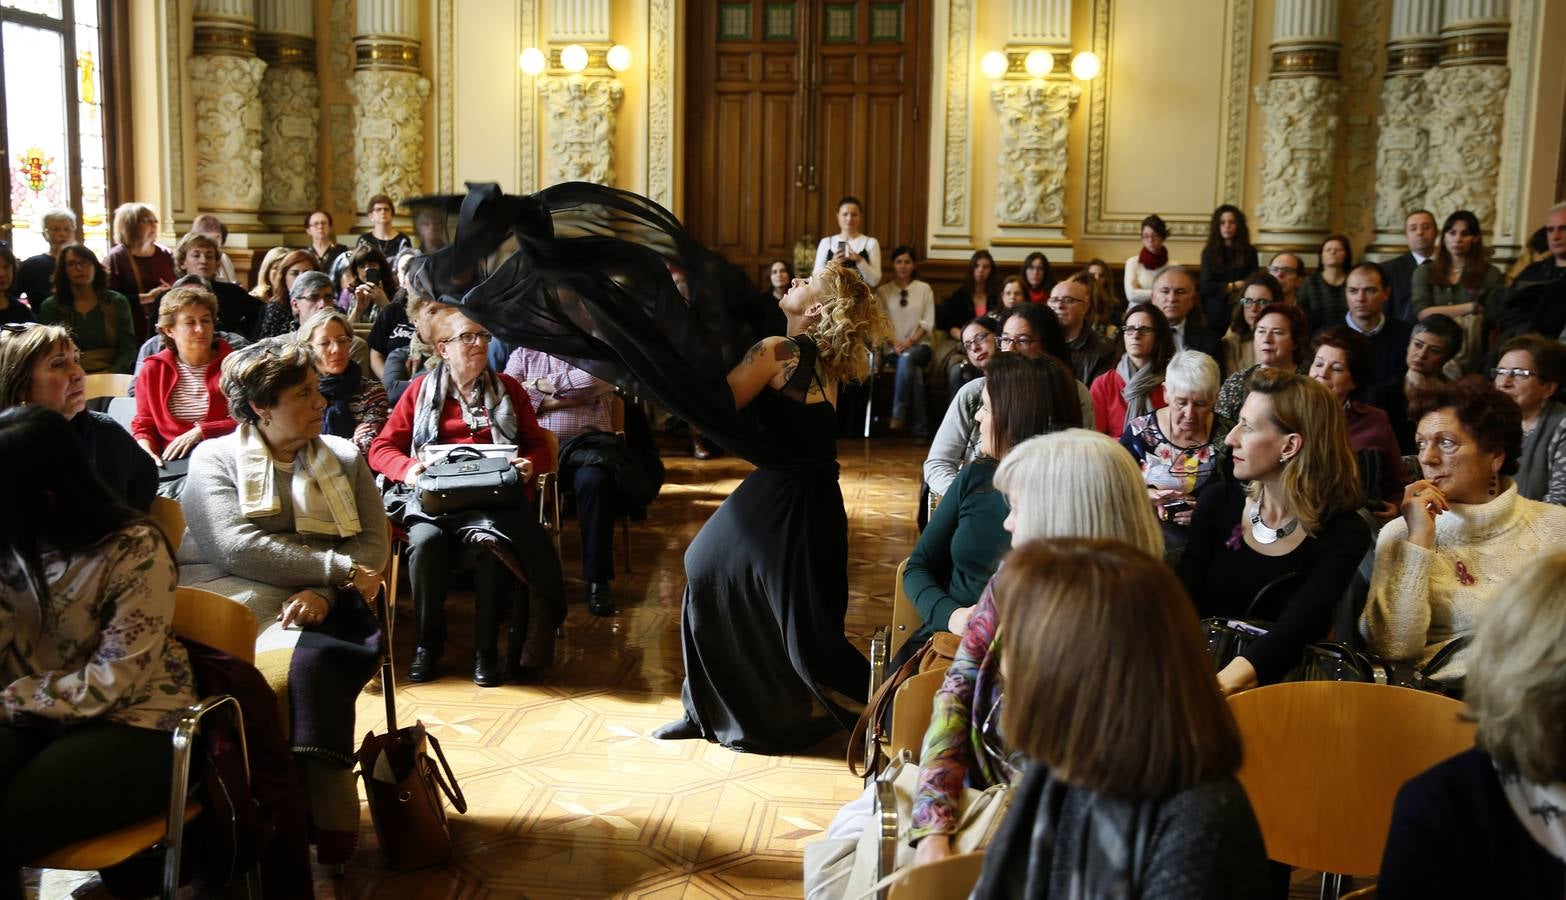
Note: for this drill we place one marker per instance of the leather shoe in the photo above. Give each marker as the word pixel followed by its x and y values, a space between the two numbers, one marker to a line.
pixel 600 601
pixel 699 448
pixel 486 670
pixel 425 665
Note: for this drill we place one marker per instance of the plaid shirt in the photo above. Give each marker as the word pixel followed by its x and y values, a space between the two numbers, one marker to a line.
pixel 571 383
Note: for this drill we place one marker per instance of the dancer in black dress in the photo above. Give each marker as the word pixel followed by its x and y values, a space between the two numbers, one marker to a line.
pixel 581 272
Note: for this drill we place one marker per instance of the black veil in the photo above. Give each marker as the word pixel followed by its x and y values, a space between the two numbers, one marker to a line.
pixel 587 273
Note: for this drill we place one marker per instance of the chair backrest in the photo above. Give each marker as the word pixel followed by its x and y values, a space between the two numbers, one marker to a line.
pixel 954 876
pixel 905 617
pixel 215 620
pixel 1324 761
pixel 617 414
pixel 169 516
pixel 911 712
pixel 123 410
pixel 554 450
pixel 108 384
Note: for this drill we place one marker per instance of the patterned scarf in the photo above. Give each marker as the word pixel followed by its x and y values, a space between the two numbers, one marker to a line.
pixel 321 493
pixel 492 410
pixel 339 391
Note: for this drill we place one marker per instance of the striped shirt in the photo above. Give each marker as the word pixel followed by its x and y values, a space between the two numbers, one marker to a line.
pixel 188 400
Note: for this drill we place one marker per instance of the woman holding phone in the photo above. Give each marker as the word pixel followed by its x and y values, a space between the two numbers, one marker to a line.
pixel 850 247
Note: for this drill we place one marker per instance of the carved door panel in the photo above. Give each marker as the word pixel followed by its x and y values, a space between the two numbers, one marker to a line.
pixel 791 105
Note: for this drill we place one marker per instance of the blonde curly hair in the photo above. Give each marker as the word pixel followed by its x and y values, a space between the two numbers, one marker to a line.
pixel 852 322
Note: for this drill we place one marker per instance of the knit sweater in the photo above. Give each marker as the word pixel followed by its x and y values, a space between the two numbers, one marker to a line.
pixel 1421 599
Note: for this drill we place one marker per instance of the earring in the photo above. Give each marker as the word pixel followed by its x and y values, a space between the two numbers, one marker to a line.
pixel 1282 459
pixel 1495 483
pixel 267 421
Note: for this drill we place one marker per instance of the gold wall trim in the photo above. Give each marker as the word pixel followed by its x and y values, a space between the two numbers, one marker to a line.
pixel 445 131
pixel 286 51
pixel 1017 62
pixel 1474 49
pixel 222 40
pixel 1100 222
pixel 380 52
pixel 1405 58
pixel 1297 62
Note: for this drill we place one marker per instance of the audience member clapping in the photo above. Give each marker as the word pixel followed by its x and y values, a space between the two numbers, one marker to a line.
pixel 1465 529
pixel 98 318
pixel 1135 386
pixel 1341 360
pixel 1279 341
pixel 1153 771
pixel 1531 371
pixel 1287 523
pixel 1487 822
pixel 178 401
pixel 356 405
pixel 1179 447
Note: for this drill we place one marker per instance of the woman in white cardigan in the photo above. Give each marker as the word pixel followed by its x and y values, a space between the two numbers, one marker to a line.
pixel 850 247
pixel 1141 268
pixel 1464 530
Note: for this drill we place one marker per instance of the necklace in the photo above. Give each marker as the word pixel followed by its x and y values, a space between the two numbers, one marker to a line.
pixel 1265 535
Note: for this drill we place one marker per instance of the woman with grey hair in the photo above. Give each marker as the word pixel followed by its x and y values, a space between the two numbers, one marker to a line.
pixel 356 405
pixel 1179 447
pixel 288 521
pixel 1493 814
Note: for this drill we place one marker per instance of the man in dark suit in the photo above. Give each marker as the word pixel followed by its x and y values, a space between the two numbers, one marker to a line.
pixel 1420 230
pixel 1366 292
pixel 1533 302
pixel 1174 293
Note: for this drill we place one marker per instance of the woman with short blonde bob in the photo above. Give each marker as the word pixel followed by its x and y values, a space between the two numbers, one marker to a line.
pixel 356 405
pixel 1073 483
pixel 1281 541
pixel 1154 770
pixel 1487 812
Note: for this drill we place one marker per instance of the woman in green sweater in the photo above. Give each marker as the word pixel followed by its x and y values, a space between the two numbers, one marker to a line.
pixel 99 319
pixel 960 548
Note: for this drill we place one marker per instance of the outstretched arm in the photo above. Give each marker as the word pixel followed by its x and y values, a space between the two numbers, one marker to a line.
pixel 771 360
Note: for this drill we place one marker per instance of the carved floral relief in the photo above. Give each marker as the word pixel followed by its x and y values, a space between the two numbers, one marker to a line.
pixel 228 130
pixel 1467 112
pixel 581 116
pixel 1034 118
pixel 388 134
pixel 1299 128
pixel 290 101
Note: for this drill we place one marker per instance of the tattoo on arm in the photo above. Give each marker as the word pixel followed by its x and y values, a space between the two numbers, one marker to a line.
pixel 786 353
pixel 754 353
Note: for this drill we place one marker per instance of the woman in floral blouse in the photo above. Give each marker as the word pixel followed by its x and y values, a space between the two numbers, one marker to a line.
pixel 93 679
pixel 1073 483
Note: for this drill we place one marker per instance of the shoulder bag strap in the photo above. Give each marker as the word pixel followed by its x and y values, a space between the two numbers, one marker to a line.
pixel 449 784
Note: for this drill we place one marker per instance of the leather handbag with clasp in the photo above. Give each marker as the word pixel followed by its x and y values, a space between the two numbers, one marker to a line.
pixel 465 479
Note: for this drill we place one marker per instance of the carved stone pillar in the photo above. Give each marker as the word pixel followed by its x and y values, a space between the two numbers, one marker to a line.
pixel 1403 140
pixel 1299 105
pixel 290 105
pixel 1468 109
pixel 580 107
pixel 389 95
pixel 225 80
pixel 1035 116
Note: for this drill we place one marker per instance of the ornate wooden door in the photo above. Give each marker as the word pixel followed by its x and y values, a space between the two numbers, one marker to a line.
pixel 791 105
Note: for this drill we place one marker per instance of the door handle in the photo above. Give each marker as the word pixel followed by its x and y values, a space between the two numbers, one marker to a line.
pixel 799 176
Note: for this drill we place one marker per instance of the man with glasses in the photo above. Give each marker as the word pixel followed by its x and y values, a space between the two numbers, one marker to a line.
pixel 1367 294
pixel 1091 354
pixel 1174 293
pixel 1419 230
pixel 1290 272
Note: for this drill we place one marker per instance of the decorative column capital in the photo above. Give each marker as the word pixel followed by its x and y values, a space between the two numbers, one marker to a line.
pixel 388 133
pixel 228 131
pixel 1305 39
pixel 581 115
pixel 1467 113
pixel 1031 182
pixel 286 51
pixel 1300 124
pixel 224 28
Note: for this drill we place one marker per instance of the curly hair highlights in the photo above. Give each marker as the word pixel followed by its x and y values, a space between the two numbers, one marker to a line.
pixel 256 375
pixel 1493 418
pixel 1323 477
pixel 852 321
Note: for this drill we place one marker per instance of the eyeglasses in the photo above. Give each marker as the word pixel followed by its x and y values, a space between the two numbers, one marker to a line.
pixel 1498 374
pixel 470 338
pixel 323 345
pixel 1138 330
pixel 318 297
pixel 1254 301
pixel 1064 300
pixel 1275 271
pixel 979 343
pixel 1009 341
pixel 904 300
pixel 1447 444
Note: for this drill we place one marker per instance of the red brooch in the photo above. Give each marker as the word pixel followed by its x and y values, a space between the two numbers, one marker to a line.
pixel 1464 576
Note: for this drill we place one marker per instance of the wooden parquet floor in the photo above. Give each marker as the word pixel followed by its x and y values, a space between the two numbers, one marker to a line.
pixel 568 796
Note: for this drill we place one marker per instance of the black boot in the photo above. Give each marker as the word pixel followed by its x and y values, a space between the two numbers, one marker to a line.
pixel 486 669
pixel 600 599
pixel 516 636
pixel 425 665
pixel 486 634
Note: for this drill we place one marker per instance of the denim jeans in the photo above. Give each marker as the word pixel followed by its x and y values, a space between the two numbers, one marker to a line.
pixel 908 389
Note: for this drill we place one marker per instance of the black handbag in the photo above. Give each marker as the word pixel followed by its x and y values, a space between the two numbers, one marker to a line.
pixel 465 479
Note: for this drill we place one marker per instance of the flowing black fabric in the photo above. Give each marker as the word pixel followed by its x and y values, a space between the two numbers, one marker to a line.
pixel 586 273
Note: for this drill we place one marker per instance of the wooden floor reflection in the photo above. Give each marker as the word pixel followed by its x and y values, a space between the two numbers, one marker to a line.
pixel 568 795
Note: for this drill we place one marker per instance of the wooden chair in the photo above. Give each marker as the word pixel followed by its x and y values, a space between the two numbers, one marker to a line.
pixel 222 624
pixel 108 384
pixel 884 645
pixel 905 618
pixel 1324 761
pixel 954 876
pixel 169 516
pixel 549 491
pixel 911 712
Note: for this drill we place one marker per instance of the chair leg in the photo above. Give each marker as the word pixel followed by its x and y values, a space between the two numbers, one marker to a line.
pixel 625 534
pixel 184 737
pixel 1331 886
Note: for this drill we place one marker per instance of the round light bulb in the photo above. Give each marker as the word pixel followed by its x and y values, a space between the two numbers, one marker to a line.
pixel 532 61
pixel 1085 65
pixel 573 58
pixel 1039 63
pixel 618 57
pixel 994 64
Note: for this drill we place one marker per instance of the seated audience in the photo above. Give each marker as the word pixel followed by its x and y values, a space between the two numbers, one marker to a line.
pixel 1487 822
pixel 1419 230
pixel 910 306
pixel 99 319
pixel 1013 292
pixel 1135 386
pixel 1239 347
pixel 958 551
pixel 978 346
pixel 1151 259
pixel 323 241
pixel 1530 371
pixel 1037 277
pixel 1436 339
pixel 392 330
pixel 178 401
pixel 768 318
pixel 977 296
pixel 1152 774
pixel 40 365
pixel 1464 531
pixel 1108 307
pixel 1179 447
pixel 139 267
pixel 571 403
pixel 312 293
pixel 277 317
pixel 356 405
pixel 1228 260
pixel 93 686
pixel 288 522
pixel 238 312
pixel 263 276
pixel 1091 353
pixel 418 354
pixel 1032 330
pixel 1289 269
pixel 213 227
pixel 429 227
pixel 1279 341
pixel 1461 283
pixel 383 237
pixel 1174 293
pixel 1525 299
pixel 35 276
pixel 1071 484
pixel 1340 359
pixel 461 401
pixel 1321 295
pixel 368 282
pixel 1367 297
pixel 12 310
pixel 1287 522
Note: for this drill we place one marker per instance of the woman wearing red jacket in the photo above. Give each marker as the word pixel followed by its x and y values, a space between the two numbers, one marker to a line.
pixel 178 401
pixel 462 402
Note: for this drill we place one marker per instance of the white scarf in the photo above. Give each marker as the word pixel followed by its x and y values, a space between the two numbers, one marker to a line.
pixel 322 497
pixel 1541 808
